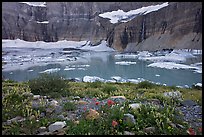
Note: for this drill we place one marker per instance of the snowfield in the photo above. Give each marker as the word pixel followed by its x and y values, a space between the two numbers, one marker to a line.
pixel 121 16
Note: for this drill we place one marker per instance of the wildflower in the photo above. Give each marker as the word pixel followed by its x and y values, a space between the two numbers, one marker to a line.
pixel 200 129
pixel 94 99
pixel 84 108
pixel 110 102
pixel 97 103
pixel 190 131
pixel 114 123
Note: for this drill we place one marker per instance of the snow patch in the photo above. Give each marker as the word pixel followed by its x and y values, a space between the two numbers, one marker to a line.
pixel 92 79
pixel 121 16
pixel 43 22
pixel 35 4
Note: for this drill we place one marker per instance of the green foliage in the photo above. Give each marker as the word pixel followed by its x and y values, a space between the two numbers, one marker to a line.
pixel 69 106
pixel 15 102
pixel 96 84
pixel 145 84
pixel 109 89
pixel 49 84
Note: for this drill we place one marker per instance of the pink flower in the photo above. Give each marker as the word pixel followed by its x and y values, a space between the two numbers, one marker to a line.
pixel 114 123
pixel 190 131
pixel 200 129
pixel 84 108
pixel 110 102
pixel 94 99
pixel 97 103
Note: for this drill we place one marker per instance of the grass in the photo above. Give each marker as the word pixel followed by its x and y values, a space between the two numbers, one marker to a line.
pixel 14 103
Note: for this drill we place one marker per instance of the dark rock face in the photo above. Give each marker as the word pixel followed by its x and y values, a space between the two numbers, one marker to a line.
pixel 179 25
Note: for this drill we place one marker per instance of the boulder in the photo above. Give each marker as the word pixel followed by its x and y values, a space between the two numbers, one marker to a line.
pixel 35 97
pixel 149 129
pixel 56 126
pixel 135 105
pixel 92 114
pixel 129 119
pixel 188 103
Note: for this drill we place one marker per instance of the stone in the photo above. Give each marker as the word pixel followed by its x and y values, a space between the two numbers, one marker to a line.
pixel 149 129
pixel 154 101
pixel 129 119
pixel 135 105
pixel 188 103
pixel 42 129
pixel 76 98
pixel 28 94
pixel 58 109
pixel 128 133
pixel 92 114
pixel 35 97
pixel 174 95
pixel 56 126
pixel 16 119
pixel 53 103
pixel 61 117
pixel 45 133
pixel 118 99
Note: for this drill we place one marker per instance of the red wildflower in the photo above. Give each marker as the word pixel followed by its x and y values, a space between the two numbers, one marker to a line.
pixel 97 103
pixel 84 108
pixel 191 131
pixel 110 102
pixel 114 123
pixel 94 99
pixel 200 129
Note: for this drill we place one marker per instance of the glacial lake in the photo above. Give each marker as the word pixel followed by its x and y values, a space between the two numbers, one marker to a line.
pixel 104 65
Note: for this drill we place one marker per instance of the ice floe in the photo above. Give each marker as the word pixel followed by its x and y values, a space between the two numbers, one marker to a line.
pixel 198 84
pixel 50 70
pixel 157 75
pixel 171 65
pixel 174 56
pixel 92 79
pixel 125 63
pixel 129 56
pixel 121 16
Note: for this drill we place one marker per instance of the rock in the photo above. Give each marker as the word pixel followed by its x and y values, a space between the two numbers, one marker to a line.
pixel 118 99
pixel 56 126
pixel 42 114
pixel 28 94
pixel 16 119
pixel 129 119
pixel 61 117
pixel 135 105
pixel 188 103
pixel 81 102
pixel 53 103
pixel 149 129
pixel 32 117
pixel 49 110
pixel 92 114
pixel 76 98
pixel 174 95
pixel 45 133
pixel 35 97
pixel 154 101
pixel 42 129
pixel 128 133
pixel 58 109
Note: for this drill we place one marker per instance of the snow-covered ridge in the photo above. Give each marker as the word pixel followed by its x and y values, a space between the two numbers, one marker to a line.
pixel 121 16
pixel 35 4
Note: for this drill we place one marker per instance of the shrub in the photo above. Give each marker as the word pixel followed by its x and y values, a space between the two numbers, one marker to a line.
pixel 145 84
pixel 49 84
pixel 69 106
pixel 109 88
pixel 15 102
pixel 96 84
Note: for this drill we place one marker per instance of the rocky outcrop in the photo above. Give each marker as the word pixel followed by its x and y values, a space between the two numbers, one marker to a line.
pixel 179 25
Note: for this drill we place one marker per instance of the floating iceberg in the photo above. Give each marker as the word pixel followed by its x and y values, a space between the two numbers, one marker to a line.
pixel 125 63
pixel 92 79
pixel 50 70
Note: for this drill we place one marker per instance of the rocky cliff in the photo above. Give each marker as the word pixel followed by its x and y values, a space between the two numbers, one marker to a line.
pixel 178 25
